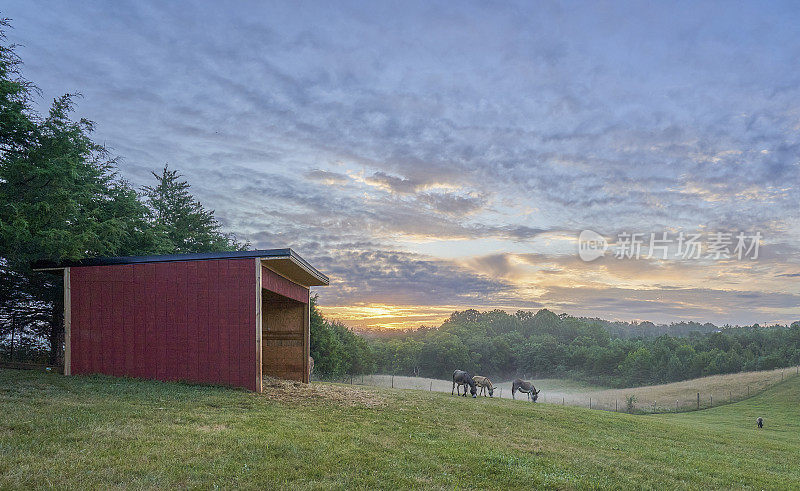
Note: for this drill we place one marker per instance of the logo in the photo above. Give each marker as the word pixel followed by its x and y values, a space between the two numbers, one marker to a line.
pixel 591 245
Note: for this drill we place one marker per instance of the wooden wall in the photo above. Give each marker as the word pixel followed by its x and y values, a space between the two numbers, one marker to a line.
pixel 188 320
pixel 285 337
pixel 276 283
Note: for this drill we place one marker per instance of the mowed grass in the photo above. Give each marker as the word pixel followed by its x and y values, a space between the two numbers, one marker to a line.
pixel 89 432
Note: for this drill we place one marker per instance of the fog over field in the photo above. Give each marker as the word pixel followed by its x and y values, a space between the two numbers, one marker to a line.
pixel 716 389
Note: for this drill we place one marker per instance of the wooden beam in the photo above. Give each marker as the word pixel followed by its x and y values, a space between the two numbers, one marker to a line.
pixel 285 335
pixel 67 324
pixel 259 333
pixel 307 338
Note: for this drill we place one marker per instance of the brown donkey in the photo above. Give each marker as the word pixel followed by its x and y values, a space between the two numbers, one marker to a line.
pixel 485 384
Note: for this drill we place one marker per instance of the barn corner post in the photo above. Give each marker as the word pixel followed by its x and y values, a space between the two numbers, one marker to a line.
pixel 67 323
pixel 307 339
pixel 259 328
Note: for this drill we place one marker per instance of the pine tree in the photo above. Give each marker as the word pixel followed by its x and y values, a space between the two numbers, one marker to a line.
pixel 60 198
pixel 183 223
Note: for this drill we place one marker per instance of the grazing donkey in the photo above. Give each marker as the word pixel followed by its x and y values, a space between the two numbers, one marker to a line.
pixel 525 387
pixel 485 384
pixel 760 422
pixel 460 377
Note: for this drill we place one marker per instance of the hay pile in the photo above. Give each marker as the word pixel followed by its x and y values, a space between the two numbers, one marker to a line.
pixel 291 391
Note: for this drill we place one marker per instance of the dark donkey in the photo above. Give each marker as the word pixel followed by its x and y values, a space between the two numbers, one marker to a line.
pixel 460 377
pixel 526 387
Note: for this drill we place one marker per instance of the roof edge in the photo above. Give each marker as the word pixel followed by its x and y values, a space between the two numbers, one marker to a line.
pixel 305 266
pixel 201 256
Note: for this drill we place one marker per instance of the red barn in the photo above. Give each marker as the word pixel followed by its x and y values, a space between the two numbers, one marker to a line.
pixel 219 318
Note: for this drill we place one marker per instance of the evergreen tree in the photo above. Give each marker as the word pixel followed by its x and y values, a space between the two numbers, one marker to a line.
pixel 180 220
pixel 61 199
pixel 17 129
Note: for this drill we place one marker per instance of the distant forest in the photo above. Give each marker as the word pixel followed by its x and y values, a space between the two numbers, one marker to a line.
pixel 544 344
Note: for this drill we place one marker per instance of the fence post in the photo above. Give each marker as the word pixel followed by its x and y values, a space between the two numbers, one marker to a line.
pixel 698 400
pixel 781 375
pixel 562 400
pixel 590 403
pixel 13 332
pixel 748 391
pixel 393 381
pixel 676 405
pixel 730 396
pixel 712 400
pixel 431 389
pixel 615 406
pixel 654 406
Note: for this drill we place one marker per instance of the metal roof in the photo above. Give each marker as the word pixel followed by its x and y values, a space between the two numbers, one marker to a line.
pixel 286 254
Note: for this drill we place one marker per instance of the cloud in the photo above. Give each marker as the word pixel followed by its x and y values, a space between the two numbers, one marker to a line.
pixel 327 177
pixel 452 204
pixel 397 277
pixel 393 183
pixel 361 137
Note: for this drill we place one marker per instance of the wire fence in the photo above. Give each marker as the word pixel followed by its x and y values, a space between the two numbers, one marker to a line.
pixel 684 396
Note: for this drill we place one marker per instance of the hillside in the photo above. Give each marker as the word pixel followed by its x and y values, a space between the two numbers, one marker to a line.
pixel 545 345
pixel 100 431
pixel 716 389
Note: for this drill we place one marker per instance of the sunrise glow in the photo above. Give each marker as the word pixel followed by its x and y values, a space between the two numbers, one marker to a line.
pixel 428 168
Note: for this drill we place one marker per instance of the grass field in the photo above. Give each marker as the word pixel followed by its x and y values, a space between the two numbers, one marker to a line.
pixel 716 389
pixel 719 389
pixel 423 383
pixel 78 432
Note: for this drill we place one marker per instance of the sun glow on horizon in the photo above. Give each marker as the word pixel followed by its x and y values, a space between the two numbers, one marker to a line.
pixel 385 316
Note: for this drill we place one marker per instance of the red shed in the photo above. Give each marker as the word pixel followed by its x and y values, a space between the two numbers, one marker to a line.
pixel 218 318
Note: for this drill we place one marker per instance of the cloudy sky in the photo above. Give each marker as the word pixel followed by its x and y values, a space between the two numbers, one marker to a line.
pixel 438 156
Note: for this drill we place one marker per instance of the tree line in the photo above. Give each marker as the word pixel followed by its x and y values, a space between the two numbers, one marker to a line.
pixel 337 351
pixel 62 198
pixel 544 344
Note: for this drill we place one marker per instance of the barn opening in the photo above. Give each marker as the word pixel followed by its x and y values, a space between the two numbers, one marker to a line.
pixel 283 337
pixel 220 318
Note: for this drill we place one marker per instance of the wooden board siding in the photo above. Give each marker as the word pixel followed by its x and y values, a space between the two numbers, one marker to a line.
pixel 185 320
pixel 284 331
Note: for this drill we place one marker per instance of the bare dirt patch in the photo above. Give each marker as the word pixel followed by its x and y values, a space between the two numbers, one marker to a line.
pixel 291 391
